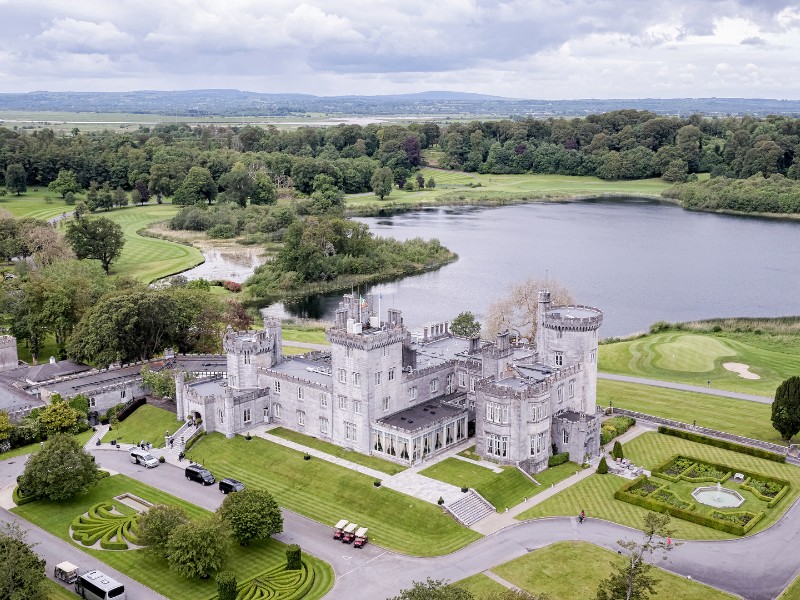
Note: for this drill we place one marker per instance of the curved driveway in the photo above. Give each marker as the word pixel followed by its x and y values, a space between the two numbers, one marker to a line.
pixel 758 567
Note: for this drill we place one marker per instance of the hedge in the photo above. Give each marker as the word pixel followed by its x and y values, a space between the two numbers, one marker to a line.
pixel 558 459
pixel 771 501
pixel 127 410
pixel 19 499
pixel 728 527
pixel 192 441
pixel 614 427
pixel 732 446
pixel 226 585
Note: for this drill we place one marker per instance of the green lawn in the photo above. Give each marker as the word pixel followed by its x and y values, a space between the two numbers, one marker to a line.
pixel 696 358
pixel 146 258
pixel 480 585
pixel 246 562
pixel 147 423
pixel 59 592
pixel 741 417
pixel 456 186
pixel 82 438
pixel 305 334
pixel 292 350
pixel 327 493
pixel 792 592
pixel 39 205
pixel 373 462
pixel 595 494
pixel 569 570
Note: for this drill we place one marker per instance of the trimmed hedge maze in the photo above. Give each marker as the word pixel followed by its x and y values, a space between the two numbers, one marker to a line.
pixel 114 530
pixel 279 584
pixel 669 491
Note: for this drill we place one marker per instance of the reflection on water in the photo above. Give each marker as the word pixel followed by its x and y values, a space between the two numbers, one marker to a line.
pixel 233 264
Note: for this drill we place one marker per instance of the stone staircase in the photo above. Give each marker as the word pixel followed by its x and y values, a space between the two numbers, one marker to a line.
pixel 470 508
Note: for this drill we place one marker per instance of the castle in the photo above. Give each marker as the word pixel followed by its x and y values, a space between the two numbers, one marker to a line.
pixel 386 391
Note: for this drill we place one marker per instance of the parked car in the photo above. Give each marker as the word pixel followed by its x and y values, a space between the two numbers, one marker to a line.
pixel 228 485
pixel 199 474
pixel 361 538
pixel 349 533
pixel 143 457
pixel 339 529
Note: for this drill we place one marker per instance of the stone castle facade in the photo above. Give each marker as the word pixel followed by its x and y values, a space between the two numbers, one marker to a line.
pixel 405 396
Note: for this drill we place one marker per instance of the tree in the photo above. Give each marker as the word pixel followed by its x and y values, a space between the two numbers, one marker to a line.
pixel 161 383
pixel 16 178
pixel 616 451
pixel 141 188
pixel 198 186
pixel 518 311
pixel 58 416
pixel 252 515
pixel 101 239
pixel 631 580
pixel 602 468
pixel 6 426
pixel 65 183
pixel 156 525
pixel 60 471
pixel 22 572
pixel 198 548
pixel 433 590
pixel 226 585
pixel 294 558
pixel 120 197
pixel 420 181
pixel 381 182
pixel 465 325
pixel 238 183
pixel 431 183
pixel 105 199
pixel 786 408
pixel 263 191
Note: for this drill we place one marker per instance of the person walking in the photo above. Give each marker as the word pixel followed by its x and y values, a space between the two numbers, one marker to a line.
pixel 582 516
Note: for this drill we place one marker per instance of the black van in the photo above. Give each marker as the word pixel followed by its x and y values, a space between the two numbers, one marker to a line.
pixel 199 474
pixel 228 485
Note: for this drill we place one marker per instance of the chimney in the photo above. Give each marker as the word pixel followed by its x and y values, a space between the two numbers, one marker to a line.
pixel 52 360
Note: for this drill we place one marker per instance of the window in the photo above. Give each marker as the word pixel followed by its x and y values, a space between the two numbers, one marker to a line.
pixel 357 379
pixel 386 404
pixel 277 387
pixel 122 393
pixel 538 443
pixel 247 415
pixel 497 445
pixel 559 359
pixel 357 406
pixel 472 384
pixel 92 403
pixel 378 378
pixel 412 393
pixel 233 380
pixel 323 401
pixel 433 385
pixel 391 374
pixel 299 393
pixel 462 379
pixel 496 413
pixel 348 352
pixel 343 402
pixel 301 418
pixel 342 376
pixel 266 411
pixel 220 416
pixel 566 436
pixel 572 389
pixel 247 357
pixel 276 410
pixel 593 356
pixel 323 425
pixel 450 382
pixel 560 394
pixel 350 432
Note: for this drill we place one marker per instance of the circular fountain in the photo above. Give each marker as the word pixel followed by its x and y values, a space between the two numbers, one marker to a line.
pixel 718 497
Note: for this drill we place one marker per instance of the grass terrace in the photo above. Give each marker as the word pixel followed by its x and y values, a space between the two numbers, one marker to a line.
pixel 327 493
pixel 82 438
pixel 147 423
pixel 569 570
pixel 308 334
pixel 373 462
pixel 246 562
pixel 595 494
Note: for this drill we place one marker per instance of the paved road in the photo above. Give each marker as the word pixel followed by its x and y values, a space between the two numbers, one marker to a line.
pixel 685 387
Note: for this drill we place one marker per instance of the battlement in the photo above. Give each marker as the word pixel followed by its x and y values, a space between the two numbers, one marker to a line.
pixel 573 318
pixel 490 386
pixel 251 341
pixel 367 339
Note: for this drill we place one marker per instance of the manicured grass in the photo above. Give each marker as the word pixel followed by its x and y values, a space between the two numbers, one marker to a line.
pixel 595 494
pixel 38 205
pixel 146 258
pixel 306 334
pixel 373 462
pixel 741 417
pixel 147 423
pixel 292 350
pixel 456 186
pixel 58 592
pixel 696 358
pixel 569 570
pixel 245 562
pixel 502 490
pixel 553 475
pixel 480 585
pixel 470 453
pixel 82 438
pixel 792 592
pixel 326 492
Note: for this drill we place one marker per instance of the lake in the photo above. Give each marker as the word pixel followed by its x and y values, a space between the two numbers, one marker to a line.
pixel 640 261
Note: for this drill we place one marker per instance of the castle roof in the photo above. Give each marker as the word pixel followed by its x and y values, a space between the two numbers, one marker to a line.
pixel 315 371
pixel 422 416
pixel 439 351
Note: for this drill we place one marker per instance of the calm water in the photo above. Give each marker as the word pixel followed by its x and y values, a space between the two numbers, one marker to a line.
pixel 639 261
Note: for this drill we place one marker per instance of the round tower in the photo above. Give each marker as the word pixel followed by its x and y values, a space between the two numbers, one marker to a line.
pixel 569 337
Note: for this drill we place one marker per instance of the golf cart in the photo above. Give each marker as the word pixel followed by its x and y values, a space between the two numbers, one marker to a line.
pixel 338 529
pixel 361 538
pixel 66 572
pixel 349 533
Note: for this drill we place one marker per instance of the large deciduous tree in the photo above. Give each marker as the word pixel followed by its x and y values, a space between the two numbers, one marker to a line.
pixel 381 182
pixel 156 525
pixel 22 572
pixel 65 183
pixel 252 515
pixel 465 325
pixel 518 310
pixel 59 417
pixel 786 408
pixel 101 239
pixel 199 548
pixel 16 178
pixel 197 187
pixel 433 590
pixel 60 471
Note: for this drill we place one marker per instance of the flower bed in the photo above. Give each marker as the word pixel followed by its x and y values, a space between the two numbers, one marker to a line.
pixel 678 468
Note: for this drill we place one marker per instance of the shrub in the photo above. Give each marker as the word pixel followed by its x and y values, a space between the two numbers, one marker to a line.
pixel 193 441
pixel 293 558
pixel 161 459
pixel 733 446
pixel 440 501
pixel 558 459
pixel 232 286
pixel 226 585
pixel 616 452
pixel 614 427
pixel 223 231
pixel 602 468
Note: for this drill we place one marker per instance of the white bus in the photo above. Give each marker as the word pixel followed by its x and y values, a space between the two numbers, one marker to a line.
pixel 95 585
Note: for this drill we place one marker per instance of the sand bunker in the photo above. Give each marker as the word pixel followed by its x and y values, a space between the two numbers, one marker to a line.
pixel 741 369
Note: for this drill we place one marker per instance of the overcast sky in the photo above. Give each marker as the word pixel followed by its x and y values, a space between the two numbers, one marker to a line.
pixel 522 48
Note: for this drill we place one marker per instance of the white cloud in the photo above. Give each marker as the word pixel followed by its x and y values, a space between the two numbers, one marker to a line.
pixel 84 35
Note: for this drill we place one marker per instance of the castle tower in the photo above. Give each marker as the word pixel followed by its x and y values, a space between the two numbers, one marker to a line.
pixel 248 350
pixel 8 352
pixel 568 337
pixel 274 329
pixel 544 306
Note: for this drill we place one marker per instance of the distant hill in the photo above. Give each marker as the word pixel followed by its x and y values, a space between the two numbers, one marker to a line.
pixel 231 103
